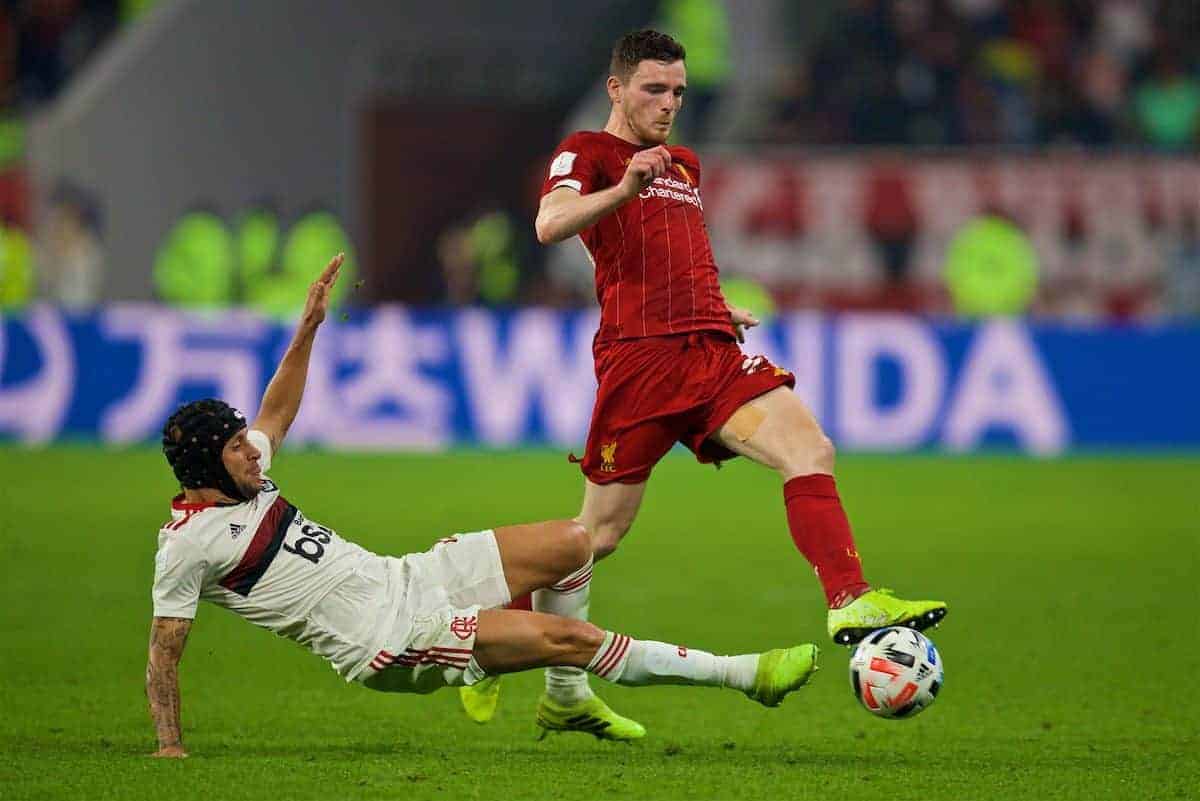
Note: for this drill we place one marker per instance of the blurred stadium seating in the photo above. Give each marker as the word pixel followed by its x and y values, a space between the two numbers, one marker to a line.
pixel 934 73
pixel 951 159
pixel 885 127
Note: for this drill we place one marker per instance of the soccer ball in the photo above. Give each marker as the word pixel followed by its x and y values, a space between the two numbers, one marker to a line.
pixel 896 672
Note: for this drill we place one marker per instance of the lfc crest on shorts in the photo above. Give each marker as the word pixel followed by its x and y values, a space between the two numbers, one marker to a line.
pixel 463 627
pixel 608 457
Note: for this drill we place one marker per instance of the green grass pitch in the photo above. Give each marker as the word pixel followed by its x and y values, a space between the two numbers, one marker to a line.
pixel 1071 648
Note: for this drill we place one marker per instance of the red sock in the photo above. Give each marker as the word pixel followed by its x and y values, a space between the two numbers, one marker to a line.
pixel 822 533
pixel 523 602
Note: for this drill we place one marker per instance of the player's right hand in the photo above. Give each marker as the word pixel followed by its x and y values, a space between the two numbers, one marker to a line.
pixel 644 167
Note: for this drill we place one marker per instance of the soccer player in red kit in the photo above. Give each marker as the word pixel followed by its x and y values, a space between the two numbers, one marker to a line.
pixel 670 369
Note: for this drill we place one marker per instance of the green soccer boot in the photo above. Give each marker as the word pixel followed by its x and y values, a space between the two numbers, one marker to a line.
pixel 877 609
pixel 479 699
pixel 591 716
pixel 782 670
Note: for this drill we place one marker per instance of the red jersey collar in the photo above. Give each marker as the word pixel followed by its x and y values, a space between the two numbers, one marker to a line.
pixel 626 142
pixel 180 505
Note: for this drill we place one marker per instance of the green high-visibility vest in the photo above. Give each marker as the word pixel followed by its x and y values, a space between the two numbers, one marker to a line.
pixel 201 264
pixel 702 26
pixel 991 269
pixel 16 268
pixel 195 266
pixel 309 245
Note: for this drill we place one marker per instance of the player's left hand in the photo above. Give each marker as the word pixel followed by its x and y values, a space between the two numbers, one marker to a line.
pixel 318 294
pixel 742 320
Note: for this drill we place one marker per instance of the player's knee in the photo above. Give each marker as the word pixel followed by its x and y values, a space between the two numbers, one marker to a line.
pixel 567 548
pixel 576 543
pixel 824 453
pixel 606 537
pixel 603 547
pixel 810 451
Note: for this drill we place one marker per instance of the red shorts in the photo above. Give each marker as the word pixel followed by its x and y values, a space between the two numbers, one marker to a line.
pixel 657 391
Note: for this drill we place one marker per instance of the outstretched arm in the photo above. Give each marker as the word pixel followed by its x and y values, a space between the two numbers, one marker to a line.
pixel 281 401
pixel 168 635
pixel 564 212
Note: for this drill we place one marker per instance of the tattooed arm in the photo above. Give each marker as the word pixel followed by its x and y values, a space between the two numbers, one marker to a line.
pixel 167 638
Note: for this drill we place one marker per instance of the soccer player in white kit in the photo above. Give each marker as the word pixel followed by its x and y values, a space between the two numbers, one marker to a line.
pixel 414 623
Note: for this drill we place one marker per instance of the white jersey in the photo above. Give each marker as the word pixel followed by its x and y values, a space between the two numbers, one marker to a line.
pixel 265 561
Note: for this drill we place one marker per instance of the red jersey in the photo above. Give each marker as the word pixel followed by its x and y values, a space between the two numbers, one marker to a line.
pixel 655 273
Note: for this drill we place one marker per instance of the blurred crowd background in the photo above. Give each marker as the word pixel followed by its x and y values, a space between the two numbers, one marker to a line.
pixel 43 45
pixel 949 157
pixel 1016 73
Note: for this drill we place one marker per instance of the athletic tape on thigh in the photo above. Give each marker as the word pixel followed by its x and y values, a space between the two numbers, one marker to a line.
pixel 745 421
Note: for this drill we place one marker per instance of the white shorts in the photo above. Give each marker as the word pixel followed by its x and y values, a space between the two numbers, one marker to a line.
pixel 432 634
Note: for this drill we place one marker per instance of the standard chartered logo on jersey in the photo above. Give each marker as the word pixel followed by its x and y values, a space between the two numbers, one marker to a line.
pixel 668 188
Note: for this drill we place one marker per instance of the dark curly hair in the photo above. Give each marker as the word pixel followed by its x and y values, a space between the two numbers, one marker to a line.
pixel 637 46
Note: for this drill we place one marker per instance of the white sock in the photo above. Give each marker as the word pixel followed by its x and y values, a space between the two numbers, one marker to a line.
pixel 636 663
pixel 567 598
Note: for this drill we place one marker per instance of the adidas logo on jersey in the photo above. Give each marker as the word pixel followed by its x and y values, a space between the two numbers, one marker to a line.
pixel 235 529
